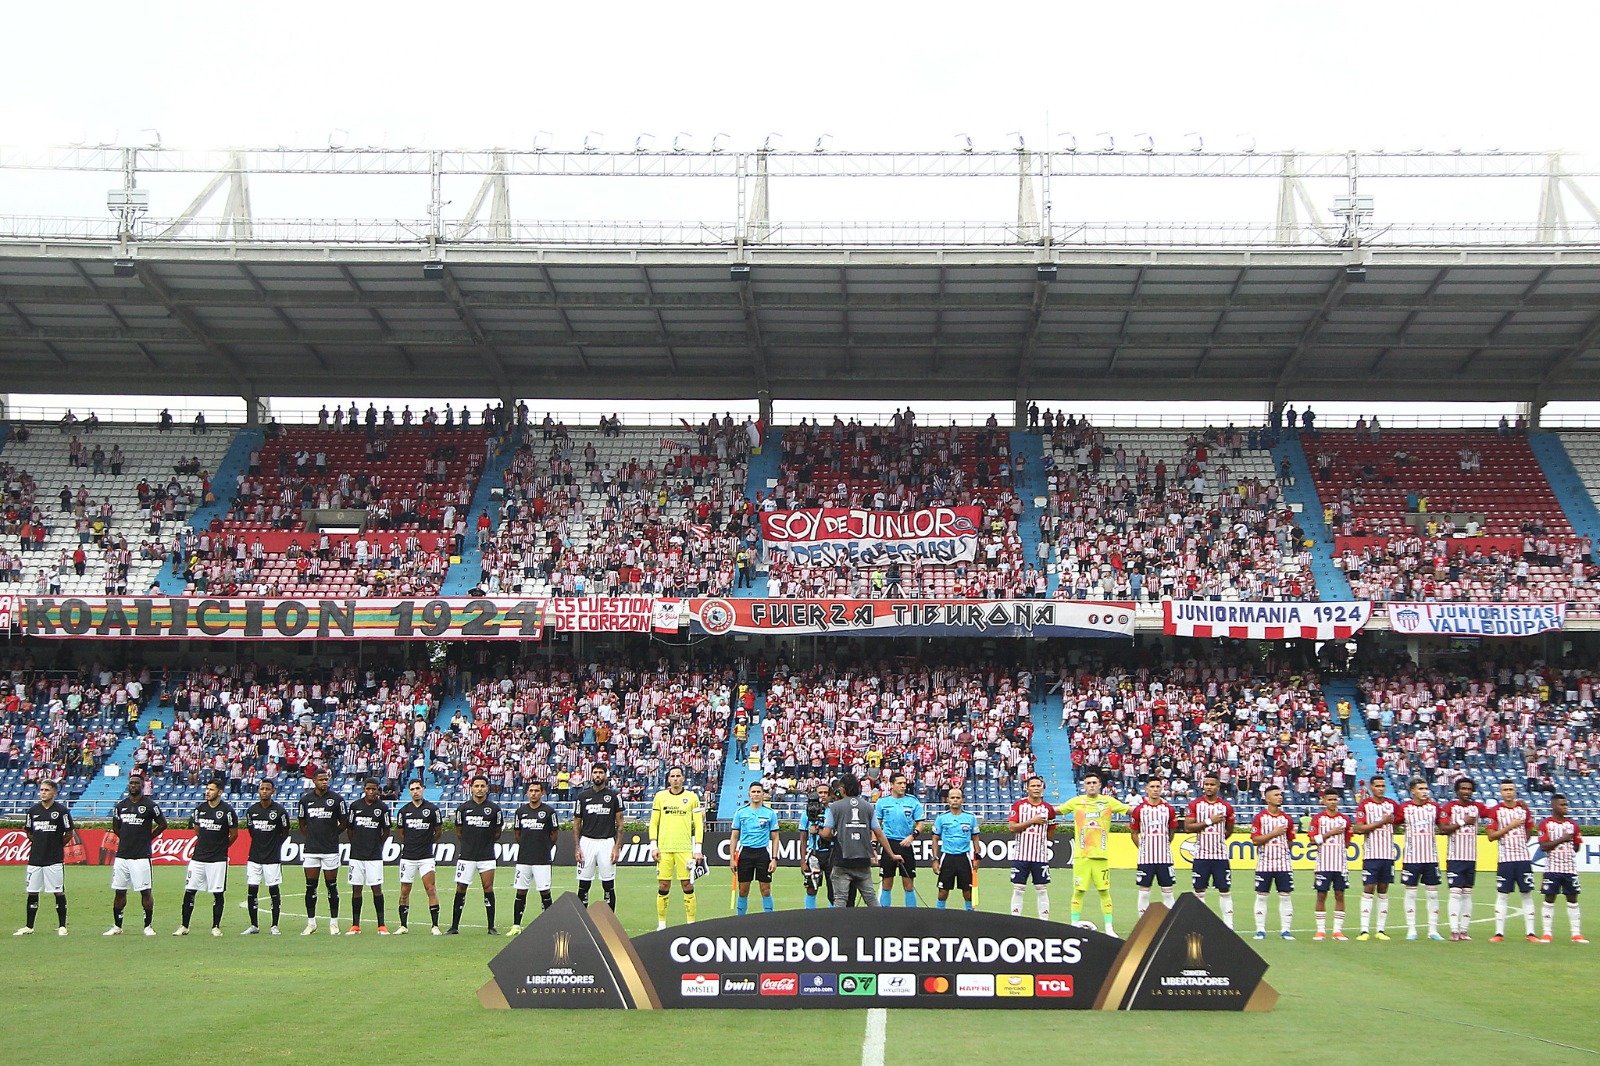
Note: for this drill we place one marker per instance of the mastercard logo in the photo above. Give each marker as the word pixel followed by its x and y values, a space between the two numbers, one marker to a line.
pixel 937 985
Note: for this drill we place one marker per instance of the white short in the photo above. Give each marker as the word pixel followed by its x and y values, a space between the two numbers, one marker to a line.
pixel 263 873
pixel 328 860
pixel 206 877
pixel 467 869
pixel 366 872
pixel 531 877
pixel 130 874
pixel 414 869
pixel 52 879
pixel 595 855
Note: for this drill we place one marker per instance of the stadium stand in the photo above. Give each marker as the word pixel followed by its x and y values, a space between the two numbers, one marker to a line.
pixel 60 725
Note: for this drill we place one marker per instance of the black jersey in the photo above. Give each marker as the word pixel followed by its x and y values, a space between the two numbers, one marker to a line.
pixel 324 818
pixel 135 821
pixel 479 826
pixel 597 811
pixel 538 826
pixel 48 829
pixel 269 828
pixel 212 826
pixel 369 824
pixel 418 821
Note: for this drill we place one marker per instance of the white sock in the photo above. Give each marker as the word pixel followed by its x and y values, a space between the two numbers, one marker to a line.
pixel 1455 909
pixel 1500 914
pixel 1433 911
pixel 1042 895
pixel 1548 913
pixel 1383 912
pixel 1366 912
pixel 1464 909
pixel 1225 900
pixel 1527 914
pixel 1338 921
pixel 1574 922
pixel 1285 911
pixel 1144 901
pixel 1322 921
pixel 1016 901
pixel 1411 910
pixel 1261 913
pixel 1166 897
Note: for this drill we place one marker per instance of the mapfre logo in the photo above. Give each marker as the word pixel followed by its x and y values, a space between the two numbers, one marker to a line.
pixel 1049 984
pixel 172 850
pixel 975 984
pixel 15 847
pixel 700 985
pixel 780 984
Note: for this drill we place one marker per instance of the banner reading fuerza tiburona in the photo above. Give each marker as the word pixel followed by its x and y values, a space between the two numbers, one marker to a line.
pixel 1185 959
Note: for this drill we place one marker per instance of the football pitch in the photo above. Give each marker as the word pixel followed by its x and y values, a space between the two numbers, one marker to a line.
pixel 319 999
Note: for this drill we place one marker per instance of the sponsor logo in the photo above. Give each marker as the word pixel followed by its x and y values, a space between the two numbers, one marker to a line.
pixel 858 984
pixel 1013 985
pixel 897 984
pixel 975 984
pixel 1052 984
pixel 941 984
pixel 739 984
pixel 699 985
pixel 780 984
pixel 15 847
pixel 172 850
pixel 818 984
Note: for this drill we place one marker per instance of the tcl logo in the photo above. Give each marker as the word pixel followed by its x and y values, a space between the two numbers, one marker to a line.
pixel 15 847
pixel 1052 985
pixel 780 984
pixel 172 850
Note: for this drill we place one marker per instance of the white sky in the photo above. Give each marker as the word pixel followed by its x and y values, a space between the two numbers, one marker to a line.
pixel 1311 76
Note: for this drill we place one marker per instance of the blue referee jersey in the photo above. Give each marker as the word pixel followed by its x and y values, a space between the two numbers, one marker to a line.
pixel 955 832
pixel 899 815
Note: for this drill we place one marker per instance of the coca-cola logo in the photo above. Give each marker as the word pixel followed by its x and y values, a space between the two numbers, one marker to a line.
pixel 15 847
pixel 172 850
pixel 780 984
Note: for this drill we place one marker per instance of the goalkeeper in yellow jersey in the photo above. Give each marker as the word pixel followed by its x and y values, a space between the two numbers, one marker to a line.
pixel 677 830
pixel 1091 825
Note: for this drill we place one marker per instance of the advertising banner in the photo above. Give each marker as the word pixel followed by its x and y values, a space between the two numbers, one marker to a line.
pixel 1264 621
pixel 149 617
pixel 829 536
pixel 932 618
pixel 1123 851
pixel 8 611
pixel 902 958
pixel 1478 619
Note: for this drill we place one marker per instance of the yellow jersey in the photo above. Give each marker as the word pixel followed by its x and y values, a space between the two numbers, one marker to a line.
pixel 676 821
pixel 1091 823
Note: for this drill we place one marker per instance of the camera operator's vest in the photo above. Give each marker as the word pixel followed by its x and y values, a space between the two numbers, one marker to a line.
pixel 852 831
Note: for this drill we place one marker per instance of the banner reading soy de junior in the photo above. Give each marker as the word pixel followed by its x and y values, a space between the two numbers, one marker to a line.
pixel 1123 851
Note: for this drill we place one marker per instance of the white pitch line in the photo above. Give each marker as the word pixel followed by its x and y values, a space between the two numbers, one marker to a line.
pixel 872 1045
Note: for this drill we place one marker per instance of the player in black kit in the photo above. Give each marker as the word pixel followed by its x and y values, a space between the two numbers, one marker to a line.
pixel 49 827
pixel 477 832
pixel 268 823
pixel 136 820
pixel 216 827
pixel 322 819
pixel 598 826
pixel 536 827
pixel 369 827
pixel 417 827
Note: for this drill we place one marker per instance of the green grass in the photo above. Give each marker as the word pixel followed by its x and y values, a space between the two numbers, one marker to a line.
pixel 317 999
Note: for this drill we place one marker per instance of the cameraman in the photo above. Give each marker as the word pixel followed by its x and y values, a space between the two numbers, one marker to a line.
pixel 851 825
pixel 816 869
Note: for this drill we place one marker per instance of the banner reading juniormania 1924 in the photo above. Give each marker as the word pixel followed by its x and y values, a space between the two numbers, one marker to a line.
pixel 1264 621
pixel 828 536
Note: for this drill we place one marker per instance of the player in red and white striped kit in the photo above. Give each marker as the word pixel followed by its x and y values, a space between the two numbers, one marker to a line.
pixel 1033 822
pixel 1211 818
pixel 1376 815
pixel 1558 837
pixel 1460 825
pixel 1154 822
pixel 1511 828
pixel 1419 863
pixel 1272 832
pixel 1330 832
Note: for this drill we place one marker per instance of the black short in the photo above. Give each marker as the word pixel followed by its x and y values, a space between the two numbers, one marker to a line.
pixel 753 863
pixel 906 867
pixel 955 871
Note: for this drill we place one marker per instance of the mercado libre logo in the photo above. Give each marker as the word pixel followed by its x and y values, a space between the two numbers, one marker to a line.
pixel 717 616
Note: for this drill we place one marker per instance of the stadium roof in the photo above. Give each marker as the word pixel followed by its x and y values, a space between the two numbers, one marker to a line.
pixel 1296 309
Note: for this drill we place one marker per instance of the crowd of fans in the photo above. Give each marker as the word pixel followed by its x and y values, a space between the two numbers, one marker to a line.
pixel 222 561
pixel 62 724
pixel 1423 569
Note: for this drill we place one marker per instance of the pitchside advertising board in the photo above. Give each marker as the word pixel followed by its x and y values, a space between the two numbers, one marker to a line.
pixel 904 958
pixel 1123 852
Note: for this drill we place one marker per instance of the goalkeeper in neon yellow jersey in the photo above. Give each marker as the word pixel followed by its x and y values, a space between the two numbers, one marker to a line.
pixel 1091 825
pixel 677 829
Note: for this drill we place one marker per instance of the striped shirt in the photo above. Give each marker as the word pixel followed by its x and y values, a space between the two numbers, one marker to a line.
pixel 1033 843
pixel 1153 826
pixel 1331 832
pixel 1514 845
pixel 1463 843
pixel 1421 822
pixel 1273 856
pixel 1379 843
pixel 1563 858
pixel 1211 842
